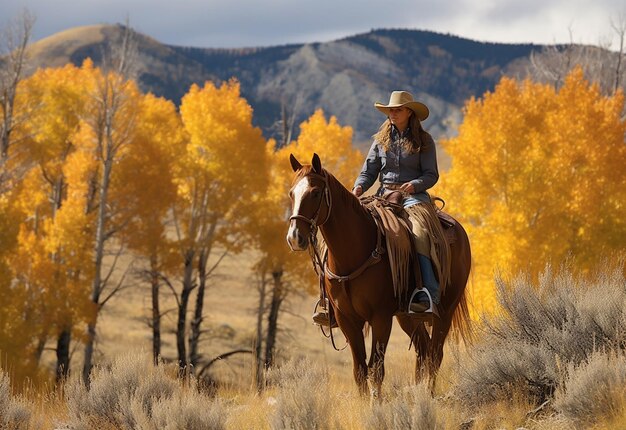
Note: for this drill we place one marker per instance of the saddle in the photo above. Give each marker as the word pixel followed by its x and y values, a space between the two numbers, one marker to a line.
pixel 392 201
pixel 394 198
pixel 447 222
pixel 392 221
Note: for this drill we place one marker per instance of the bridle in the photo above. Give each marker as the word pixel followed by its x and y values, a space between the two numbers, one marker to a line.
pixel 319 262
pixel 313 222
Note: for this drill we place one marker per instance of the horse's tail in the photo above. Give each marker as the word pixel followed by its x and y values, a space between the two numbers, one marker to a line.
pixel 462 322
pixel 461 319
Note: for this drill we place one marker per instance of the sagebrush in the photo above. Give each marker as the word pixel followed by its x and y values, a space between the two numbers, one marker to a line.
pixel 542 330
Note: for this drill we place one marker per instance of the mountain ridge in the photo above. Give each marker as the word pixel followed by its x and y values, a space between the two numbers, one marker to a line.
pixel 344 77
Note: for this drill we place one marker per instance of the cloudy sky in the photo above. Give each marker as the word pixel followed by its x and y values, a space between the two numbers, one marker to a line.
pixel 239 23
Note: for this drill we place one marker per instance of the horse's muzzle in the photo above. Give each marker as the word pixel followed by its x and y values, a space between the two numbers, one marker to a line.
pixel 296 240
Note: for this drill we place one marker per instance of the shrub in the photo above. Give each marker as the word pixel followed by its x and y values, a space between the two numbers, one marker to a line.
pixel 303 401
pixel 594 390
pixel 133 393
pixel 540 331
pixel 14 414
pixel 413 409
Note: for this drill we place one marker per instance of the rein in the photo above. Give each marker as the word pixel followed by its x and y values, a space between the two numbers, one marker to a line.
pixel 374 258
pixel 319 264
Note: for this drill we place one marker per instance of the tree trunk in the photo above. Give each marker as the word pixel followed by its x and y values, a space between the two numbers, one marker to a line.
pixel 7 126
pixel 156 312
pixel 194 336
pixel 89 346
pixel 620 54
pixel 272 319
pixel 111 136
pixel 63 355
pixel 41 344
pixel 11 73
pixel 258 341
pixel 188 285
pixel 96 286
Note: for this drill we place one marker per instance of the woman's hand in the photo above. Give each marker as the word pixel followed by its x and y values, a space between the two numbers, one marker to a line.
pixel 407 188
pixel 357 191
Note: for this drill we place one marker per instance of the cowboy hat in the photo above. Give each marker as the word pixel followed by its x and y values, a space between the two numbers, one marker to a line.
pixel 403 98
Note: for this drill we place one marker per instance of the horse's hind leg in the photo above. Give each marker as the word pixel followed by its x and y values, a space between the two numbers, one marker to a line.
pixel 381 329
pixel 420 340
pixel 441 329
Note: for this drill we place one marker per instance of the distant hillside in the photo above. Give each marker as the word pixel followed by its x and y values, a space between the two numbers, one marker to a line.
pixel 343 77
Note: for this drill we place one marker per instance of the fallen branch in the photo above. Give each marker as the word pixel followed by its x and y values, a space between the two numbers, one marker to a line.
pixel 222 357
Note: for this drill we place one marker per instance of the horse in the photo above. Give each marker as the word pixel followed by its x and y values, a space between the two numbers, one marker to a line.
pixel 349 230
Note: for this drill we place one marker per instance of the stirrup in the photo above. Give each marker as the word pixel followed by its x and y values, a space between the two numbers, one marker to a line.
pixel 430 301
pixel 321 303
pixel 322 318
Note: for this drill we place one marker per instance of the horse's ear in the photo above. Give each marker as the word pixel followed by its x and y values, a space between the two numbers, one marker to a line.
pixel 317 164
pixel 295 164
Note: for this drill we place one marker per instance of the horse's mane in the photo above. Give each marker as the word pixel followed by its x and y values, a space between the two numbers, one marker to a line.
pixel 345 194
pixel 301 173
pixel 334 185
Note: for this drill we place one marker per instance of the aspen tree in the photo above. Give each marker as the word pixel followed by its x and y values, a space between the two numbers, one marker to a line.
pixel 220 179
pixel 147 191
pixel 111 119
pixel 538 176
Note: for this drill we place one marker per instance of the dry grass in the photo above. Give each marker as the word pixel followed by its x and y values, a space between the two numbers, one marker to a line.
pixel 594 391
pixel 14 412
pixel 558 342
pixel 133 393
pixel 412 408
pixel 302 397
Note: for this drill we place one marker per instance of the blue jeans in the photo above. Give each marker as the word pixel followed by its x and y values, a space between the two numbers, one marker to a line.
pixel 428 279
pixel 416 198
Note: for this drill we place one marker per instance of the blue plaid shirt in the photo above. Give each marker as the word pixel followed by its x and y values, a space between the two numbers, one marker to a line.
pixel 397 166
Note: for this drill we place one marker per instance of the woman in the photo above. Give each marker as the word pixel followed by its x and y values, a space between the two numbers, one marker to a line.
pixel 403 157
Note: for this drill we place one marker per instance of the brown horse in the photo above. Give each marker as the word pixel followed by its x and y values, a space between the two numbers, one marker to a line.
pixel 319 200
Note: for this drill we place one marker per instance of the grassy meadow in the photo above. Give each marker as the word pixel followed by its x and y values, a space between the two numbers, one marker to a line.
pixel 551 359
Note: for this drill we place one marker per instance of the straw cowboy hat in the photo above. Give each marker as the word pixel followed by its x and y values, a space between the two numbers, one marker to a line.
pixel 403 98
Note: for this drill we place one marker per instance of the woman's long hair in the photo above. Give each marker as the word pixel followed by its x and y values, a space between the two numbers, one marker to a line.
pixel 418 139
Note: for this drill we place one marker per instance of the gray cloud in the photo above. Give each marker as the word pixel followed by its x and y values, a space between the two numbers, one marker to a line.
pixel 236 23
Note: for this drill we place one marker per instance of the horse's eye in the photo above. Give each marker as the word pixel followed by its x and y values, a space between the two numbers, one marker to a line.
pixel 316 193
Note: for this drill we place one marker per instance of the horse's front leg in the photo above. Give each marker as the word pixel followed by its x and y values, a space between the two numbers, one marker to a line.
pixel 354 334
pixel 381 329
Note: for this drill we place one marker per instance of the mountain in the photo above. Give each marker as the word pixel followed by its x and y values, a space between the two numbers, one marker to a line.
pixel 343 77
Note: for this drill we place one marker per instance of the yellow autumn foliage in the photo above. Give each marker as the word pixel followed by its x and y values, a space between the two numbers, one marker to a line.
pixel 224 168
pixel 333 143
pixel 144 181
pixel 537 177
pixel 47 268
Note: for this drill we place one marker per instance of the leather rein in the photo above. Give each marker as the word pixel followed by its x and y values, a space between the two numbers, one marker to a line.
pixel 319 264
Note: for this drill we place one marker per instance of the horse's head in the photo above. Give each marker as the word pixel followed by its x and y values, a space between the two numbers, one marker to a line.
pixel 310 202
